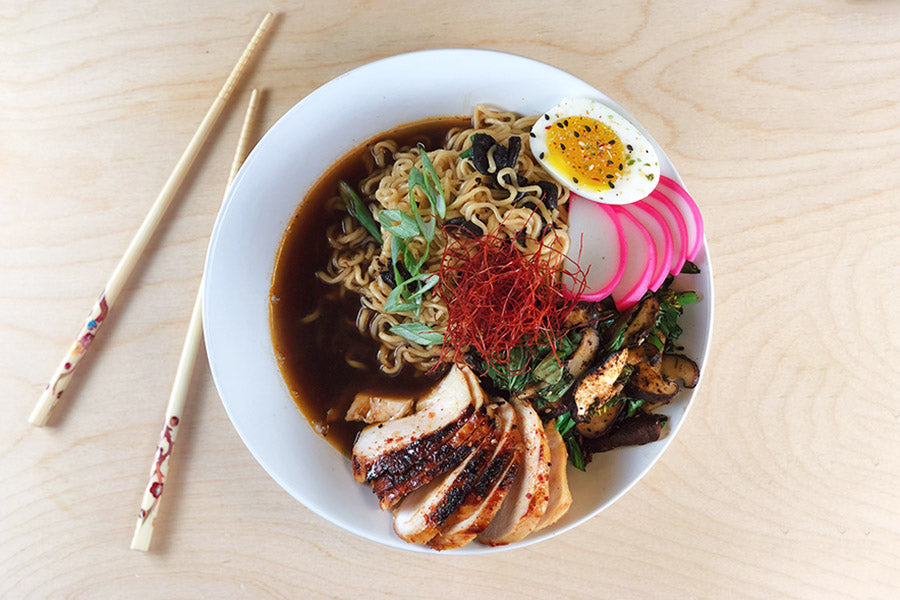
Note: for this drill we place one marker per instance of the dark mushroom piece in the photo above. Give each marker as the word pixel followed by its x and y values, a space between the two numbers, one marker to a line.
pixel 636 431
pixel 481 144
pixel 677 367
pixel 549 194
pixel 601 418
pixel 645 353
pixel 648 385
pixel 585 353
pixel 642 322
pixel 460 226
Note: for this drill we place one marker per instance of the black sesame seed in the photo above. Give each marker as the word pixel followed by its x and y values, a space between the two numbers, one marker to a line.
pixel 609 163
pixel 587 128
pixel 562 147
pixel 609 176
pixel 566 122
pixel 547 117
pixel 576 134
pixel 532 134
pixel 620 166
pixel 542 155
pixel 630 147
pixel 560 125
pixel 612 186
pixel 612 142
pixel 575 179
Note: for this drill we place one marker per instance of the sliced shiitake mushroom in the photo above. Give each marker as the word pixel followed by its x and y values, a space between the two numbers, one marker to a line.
pixel 585 354
pixel 601 417
pixel 584 314
pixel 599 384
pixel 648 385
pixel 645 353
pixel 677 367
pixel 642 322
pixel 635 431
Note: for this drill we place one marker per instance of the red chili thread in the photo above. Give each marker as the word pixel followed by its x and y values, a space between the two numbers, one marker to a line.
pixel 499 298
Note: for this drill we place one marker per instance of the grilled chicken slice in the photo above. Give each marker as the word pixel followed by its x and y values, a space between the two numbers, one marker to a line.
pixel 490 488
pixel 527 500
pixel 429 463
pixel 421 514
pixel 439 414
pixel 377 408
pixel 560 496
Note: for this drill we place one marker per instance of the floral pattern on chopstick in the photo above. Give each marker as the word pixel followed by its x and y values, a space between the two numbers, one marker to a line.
pixel 160 468
pixel 78 348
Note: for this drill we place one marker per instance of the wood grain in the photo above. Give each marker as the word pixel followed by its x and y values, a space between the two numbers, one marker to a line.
pixel 782 118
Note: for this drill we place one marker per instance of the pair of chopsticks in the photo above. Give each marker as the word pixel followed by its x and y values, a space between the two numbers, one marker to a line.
pixel 116 282
pixel 143 530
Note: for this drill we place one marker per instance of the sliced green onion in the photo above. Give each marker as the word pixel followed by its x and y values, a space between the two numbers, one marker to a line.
pixel 418 333
pixel 437 198
pixel 358 210
pixel 417 180
pixel 430 280
pixel 398 223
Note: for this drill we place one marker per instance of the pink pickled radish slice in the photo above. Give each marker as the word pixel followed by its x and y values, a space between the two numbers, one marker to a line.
pixel 597 245
pixel 641 263
pixel 656 226
pixel 689 211
pixel 677 228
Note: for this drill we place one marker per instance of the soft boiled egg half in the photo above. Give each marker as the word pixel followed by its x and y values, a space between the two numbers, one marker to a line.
pixel 595 152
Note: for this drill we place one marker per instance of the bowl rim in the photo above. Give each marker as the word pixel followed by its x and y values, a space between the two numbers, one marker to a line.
pixel 219 376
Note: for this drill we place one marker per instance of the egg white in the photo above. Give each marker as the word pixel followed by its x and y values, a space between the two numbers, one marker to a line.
pixel 639 173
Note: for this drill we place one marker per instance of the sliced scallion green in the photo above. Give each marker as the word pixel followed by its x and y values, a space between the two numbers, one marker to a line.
pixel 358 210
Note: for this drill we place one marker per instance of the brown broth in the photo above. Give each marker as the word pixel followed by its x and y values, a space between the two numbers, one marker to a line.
pixel 312 355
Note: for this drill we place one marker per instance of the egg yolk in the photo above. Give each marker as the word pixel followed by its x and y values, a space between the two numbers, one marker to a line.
pixel 586 151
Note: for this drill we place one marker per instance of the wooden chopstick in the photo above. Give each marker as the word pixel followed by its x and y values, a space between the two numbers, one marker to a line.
pixel 143 530
pixel 69 363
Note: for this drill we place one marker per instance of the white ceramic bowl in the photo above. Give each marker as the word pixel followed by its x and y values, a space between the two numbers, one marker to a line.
pixel 288 160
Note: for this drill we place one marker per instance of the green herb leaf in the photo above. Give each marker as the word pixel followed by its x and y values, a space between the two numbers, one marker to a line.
pixel 550 369
pixel 556 391
pixel 575 455
pixel 358 210
pixel 567 344
pixel 418 333
pixel 564 423
pixel 466 154
pixel 633 406
pixel 617 338
pixel 514 375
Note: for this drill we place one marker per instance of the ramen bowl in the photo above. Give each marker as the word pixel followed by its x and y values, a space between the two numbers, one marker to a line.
pixel 289 159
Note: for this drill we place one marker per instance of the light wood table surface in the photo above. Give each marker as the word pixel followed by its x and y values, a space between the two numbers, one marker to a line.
pixel 784 120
